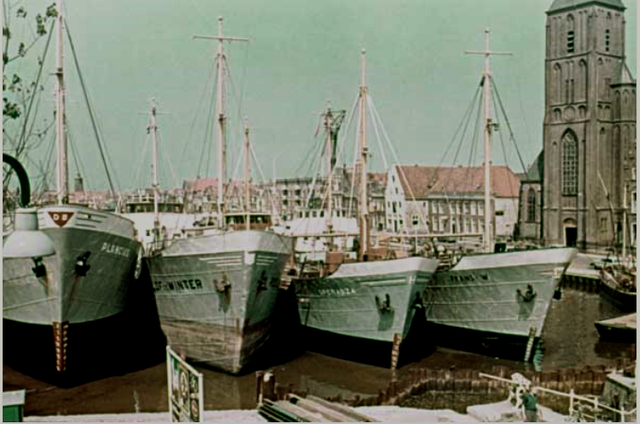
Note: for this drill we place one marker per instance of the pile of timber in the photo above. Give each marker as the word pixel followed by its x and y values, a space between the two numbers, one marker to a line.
pixel 309 409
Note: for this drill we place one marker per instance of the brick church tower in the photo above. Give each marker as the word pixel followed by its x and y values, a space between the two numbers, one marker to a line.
pixel 588 181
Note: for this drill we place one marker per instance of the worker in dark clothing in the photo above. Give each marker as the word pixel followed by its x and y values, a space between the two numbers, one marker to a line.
pixel 530 405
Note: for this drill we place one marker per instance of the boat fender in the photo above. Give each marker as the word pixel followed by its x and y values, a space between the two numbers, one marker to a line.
pixel 138 270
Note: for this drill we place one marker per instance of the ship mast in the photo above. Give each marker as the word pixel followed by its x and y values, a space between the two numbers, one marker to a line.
pixel 488 128
pixel 247 174
pixel 329 153
pixel 154 166
pixel 62 170
pixel 220 113
pixel 363 198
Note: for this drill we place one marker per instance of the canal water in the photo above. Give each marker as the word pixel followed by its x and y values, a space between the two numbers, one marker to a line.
pixel 570 335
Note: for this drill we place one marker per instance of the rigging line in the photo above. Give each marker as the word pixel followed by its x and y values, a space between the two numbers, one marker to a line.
pixel 474 143
pixel 457 153
pixel 238 127
pixel 355 159
pixel 401 172
pixel 504 153
pixel 167 160
pixel 375 129
pixel 74 152
pixel 343 134
pixel 93 122
pixel 495 86
pixel 253 155
pixel 524 115
pixel 314 179
pixel 203 95
pixel 208 133
pixel 140 167
pixel 465 120
pixel 22 137
pixel 238 95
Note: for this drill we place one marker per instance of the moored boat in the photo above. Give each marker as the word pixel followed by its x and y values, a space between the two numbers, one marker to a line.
pixel 359 309
pixel 216 286
pixel 494 303
pixel 620 329
pixel 619 290
pixel 86 282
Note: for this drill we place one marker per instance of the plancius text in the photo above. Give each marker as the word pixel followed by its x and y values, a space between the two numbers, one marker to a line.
pixel 193 284
pixel 115 249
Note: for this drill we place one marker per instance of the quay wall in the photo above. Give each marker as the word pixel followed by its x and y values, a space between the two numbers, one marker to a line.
pixel 456 389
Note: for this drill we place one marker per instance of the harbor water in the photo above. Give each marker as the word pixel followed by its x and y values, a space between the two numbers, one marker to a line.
pixel 571 340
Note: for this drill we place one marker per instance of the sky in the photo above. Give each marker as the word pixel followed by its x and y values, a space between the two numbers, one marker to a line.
pixel 301 54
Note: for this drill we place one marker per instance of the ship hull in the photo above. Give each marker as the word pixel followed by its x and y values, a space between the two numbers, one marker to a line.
pixel 216 295
pixel 356 312
pixel 625 301
pixel 67 294
pixel 482 304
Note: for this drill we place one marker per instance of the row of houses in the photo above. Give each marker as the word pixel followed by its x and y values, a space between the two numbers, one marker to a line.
pixel 407 199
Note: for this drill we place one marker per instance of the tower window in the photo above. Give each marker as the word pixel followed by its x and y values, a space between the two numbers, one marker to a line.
pixel 569 164
pixel 531 205
pixel 571 38
pixel 607 39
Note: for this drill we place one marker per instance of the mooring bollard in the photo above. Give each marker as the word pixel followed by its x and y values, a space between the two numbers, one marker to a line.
pixel 571 395
pixel 266 386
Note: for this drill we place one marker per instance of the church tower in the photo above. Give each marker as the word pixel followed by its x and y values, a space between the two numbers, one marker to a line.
pixel 585 144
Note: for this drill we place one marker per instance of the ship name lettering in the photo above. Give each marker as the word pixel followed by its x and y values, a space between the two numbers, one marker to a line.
pixel 336 292
pixel 191 284
pixel 115 250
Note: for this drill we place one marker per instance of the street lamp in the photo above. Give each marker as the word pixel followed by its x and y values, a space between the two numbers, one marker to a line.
pixel 26 241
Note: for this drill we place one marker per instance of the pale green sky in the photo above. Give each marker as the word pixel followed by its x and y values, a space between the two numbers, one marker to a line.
pixel 301 54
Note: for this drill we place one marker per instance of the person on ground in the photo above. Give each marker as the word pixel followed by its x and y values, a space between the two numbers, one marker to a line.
pixel 530 405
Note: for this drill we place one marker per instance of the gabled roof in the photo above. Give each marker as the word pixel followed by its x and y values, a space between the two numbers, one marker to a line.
pixel 536 170
pixel 200 184
pixel 433 180
pixel 559 5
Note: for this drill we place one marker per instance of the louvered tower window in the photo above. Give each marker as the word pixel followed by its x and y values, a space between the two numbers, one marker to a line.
pixel 571 42
pixel 569 164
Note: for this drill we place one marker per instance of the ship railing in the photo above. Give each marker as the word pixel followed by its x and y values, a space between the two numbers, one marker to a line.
pixel 579 406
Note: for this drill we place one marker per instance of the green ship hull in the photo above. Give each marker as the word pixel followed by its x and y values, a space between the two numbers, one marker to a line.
pixel 367 301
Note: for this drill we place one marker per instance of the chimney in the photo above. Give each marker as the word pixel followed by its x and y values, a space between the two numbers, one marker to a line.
pixel 79 184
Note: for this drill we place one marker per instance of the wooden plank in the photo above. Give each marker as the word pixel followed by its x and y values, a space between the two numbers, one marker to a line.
pixel 345 410
pixel 326 411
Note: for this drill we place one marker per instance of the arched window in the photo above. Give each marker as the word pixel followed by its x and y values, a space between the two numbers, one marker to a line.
pixel 557 69
pixel 569 164
pixel 531 205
